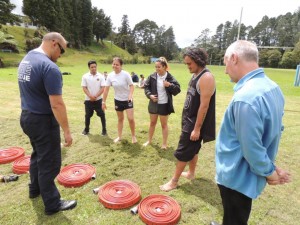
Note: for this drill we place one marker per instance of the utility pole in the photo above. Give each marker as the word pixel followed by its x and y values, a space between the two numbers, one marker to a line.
pixel 238 37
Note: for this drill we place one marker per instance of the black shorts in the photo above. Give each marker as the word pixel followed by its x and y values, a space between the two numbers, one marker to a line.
pixel 187 149
pixel 123 105
pixel 160 109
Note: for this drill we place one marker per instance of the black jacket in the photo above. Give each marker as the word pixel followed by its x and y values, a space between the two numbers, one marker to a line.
pixel 151 88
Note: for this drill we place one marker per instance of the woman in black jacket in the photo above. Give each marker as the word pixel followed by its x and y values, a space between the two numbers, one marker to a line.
pixel 159 88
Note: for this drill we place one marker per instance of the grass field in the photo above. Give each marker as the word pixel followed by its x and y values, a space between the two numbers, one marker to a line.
pixel 148 167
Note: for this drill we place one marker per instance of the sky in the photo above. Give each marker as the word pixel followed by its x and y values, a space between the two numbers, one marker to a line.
pixel 189 17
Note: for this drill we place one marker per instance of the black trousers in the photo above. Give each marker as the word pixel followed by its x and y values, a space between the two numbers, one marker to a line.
pixel 90 107
pixel 44 134
pixel 237 206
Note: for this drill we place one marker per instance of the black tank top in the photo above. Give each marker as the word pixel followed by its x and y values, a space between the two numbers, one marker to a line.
pixel 190 111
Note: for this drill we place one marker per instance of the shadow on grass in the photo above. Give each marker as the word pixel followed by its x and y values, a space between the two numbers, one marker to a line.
pixel 38 207
pixel 167 153
pixel 131 149
pixel 102 140
pixel 205 189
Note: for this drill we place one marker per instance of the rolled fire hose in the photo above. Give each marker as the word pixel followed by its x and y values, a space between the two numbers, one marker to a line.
pixel 159 209
pixel 21 165
pixel 119 194
pixel 76 175
pixel 10 154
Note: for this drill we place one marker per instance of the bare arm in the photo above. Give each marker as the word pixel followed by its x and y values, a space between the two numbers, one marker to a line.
pixel 86 91
pixel 60 112
pixel 130 92
pixel 100 92
pixel 207 87
pixel 105 93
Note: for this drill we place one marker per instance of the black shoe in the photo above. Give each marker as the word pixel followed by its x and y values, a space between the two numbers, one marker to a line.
pixel 104 133
pixel 64 205
pixel 84 132
pixel 31 195
pixel 10 178
pixel 214 223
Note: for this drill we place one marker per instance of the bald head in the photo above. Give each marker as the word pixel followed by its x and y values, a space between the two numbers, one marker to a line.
pixel 57 37
pixel 245 50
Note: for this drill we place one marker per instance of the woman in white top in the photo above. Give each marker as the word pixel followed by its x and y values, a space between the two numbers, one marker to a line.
pixel 122 83
pixel 159 89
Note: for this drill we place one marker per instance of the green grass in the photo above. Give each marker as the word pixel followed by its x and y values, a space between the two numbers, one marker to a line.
pixel 101 52
pixel 148 167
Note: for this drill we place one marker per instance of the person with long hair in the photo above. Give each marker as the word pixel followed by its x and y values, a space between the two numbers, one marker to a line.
pixel 122 83
pixel 159 88
pixel 198 116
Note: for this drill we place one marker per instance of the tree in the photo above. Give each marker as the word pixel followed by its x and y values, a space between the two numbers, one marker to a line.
pixel 165 43
pixel 204 39
pixel 288 60
pixel 218 37
pixel 145 35
pixel 285 30
pixel 123 33
pixel 263 58
pixel 296 52
pixel 101 24
pixel 72 18
pixel 274 57
pixel 87 22
pixel 6 16
pixel 125 39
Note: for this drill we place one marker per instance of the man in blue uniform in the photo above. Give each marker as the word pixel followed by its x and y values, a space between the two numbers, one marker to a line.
pixel 43 113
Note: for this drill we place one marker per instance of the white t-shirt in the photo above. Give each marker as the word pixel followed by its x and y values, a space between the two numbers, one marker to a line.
pixel 93 83
pixel 161 90
pixel 120 82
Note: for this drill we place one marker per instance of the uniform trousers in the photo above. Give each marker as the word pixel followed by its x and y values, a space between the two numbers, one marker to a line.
pixel 45 162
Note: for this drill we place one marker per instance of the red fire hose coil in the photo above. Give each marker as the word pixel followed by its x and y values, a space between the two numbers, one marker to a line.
pixel 76 175
pixel 159 210
pixel 10 154
pixel 119 194
pixel 21 165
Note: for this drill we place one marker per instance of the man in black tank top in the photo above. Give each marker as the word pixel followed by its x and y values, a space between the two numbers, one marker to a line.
pixel 198 116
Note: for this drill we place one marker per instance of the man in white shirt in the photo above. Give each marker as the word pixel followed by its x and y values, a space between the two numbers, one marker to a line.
pixel 93 84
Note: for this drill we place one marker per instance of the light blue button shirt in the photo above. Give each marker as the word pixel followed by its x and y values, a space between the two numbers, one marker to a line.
pixel 249 135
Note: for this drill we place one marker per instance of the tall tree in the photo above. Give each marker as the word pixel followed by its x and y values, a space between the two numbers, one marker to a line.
pixel 204 39
pixel 6 16
pixel 218 37
pixel 145 34
pixel 285 30
pixel 165 43
pixel 87 22
pixel 125 38
pixel 123 32
pixel 101 24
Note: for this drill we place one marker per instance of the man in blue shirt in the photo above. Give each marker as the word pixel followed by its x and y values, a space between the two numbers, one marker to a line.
pixel 43 113
pixel 249 136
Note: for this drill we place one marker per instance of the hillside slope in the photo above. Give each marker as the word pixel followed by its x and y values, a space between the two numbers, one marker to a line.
pixel 101 52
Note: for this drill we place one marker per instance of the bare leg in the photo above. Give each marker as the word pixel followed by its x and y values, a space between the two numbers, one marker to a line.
pixel 192 168
pixel 153 121
pixel 172 184
pixel 120 115
pixel 130 117
pixel 165 131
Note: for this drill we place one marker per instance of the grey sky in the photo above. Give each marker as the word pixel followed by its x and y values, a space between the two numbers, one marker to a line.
pixel 189 17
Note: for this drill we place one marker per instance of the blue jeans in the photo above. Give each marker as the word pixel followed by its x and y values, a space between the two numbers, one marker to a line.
pixel 44 134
